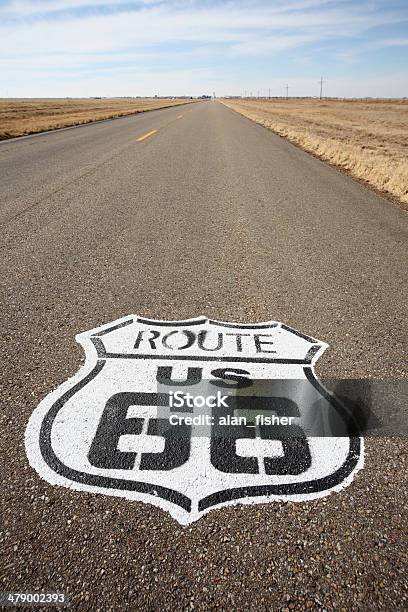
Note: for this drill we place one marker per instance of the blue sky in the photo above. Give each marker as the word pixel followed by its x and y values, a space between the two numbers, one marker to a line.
pixel 143 47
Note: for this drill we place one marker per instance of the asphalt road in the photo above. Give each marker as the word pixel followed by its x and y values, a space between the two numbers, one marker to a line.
pixel 210 215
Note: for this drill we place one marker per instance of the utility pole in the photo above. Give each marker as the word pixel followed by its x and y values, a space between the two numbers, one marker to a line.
pixel 269 93
pixel 258 94
pixel 287 91
pixel 321 87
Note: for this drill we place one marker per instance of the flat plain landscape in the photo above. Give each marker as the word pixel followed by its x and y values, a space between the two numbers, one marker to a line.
pixel 19 117
pixel 368 138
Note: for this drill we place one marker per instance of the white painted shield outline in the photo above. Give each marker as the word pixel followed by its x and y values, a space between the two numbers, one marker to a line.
pixel 43 459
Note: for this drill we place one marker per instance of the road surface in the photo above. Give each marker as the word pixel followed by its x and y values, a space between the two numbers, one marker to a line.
pixel 173 214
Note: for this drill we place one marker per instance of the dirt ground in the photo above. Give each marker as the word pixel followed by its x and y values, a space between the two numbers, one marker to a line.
pixel 21 117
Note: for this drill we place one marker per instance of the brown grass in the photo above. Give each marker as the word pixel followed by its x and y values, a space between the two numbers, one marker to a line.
pixel 367 138
pixel 21 117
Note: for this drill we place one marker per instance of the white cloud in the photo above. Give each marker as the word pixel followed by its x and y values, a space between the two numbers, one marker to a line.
pixel 163 24
pixel 28 8
pixel 36 47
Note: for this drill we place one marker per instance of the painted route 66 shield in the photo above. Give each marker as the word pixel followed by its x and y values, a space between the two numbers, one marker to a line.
pixel 270 432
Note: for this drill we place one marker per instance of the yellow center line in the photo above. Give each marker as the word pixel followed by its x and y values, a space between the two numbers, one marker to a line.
pixel 146 135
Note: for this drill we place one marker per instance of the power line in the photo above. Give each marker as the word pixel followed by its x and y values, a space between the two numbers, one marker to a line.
pixel 321 87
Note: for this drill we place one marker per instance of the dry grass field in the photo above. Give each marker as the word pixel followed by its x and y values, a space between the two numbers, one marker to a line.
pixel 19 117
pixel 369 139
